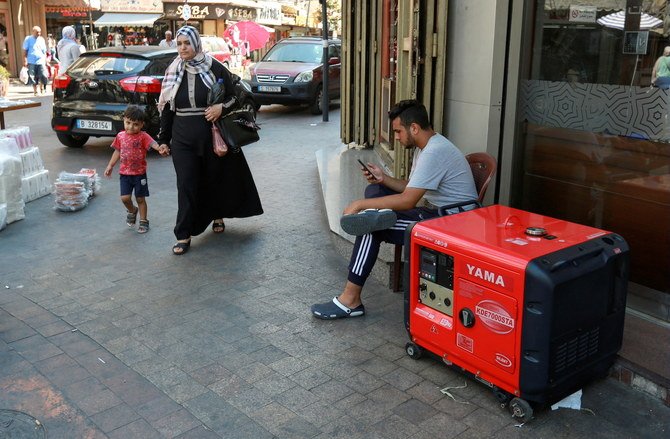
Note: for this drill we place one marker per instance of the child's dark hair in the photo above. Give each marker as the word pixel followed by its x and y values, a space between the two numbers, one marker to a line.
pixel 134 113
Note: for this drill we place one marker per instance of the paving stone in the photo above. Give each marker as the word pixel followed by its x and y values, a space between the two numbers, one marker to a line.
pixel 158 408
pixel 12 330
pixel 74 343
pixel 136 429
pixel 176 423
pixel 35 348
pixel 310 377
pixel 115 417
pixel 200 432
pixel 402 379
pixel 272 415
pixel 185 390
pixel 212 409
pixel 210 373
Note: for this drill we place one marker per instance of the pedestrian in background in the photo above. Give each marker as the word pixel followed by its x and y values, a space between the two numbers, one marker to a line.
pixel 660 74
pixel 167 41
pixel 68 50
pixel 35 52
pixel 131 146
pixel 211 185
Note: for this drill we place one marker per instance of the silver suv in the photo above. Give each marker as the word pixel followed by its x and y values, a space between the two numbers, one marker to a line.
pixel 291 73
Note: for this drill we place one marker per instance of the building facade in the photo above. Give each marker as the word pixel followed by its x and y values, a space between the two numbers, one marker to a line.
pixel 557 92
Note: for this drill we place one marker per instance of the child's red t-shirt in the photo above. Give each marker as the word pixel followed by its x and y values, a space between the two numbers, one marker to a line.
pixel 133 149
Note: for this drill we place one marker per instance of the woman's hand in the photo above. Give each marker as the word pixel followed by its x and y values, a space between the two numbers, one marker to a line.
pixel 214 112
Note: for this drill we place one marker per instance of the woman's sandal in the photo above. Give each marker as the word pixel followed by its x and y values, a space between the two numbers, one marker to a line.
pixel 218 226
pixel 143 227
pixel 131 217
pixel 181 247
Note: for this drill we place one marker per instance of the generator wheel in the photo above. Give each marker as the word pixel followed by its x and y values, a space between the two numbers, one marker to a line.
pixel 413 351
pixel 520 409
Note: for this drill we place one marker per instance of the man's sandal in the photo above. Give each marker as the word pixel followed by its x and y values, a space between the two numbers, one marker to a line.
pixel 131 217
pixel 218 226
pixel 143 227
pixel 181 247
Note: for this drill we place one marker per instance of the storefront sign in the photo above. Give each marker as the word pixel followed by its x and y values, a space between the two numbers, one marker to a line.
pixel 268 13
pixel 583 14
pixel 131 6
pixel 60 12
pixel 209 11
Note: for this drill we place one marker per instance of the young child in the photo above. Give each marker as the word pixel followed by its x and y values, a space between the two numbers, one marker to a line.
pixel 131 146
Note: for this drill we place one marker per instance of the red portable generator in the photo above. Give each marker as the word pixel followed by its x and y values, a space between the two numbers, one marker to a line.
pixel 529 305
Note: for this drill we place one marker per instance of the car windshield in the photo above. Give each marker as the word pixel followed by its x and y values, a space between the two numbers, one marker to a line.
pixel 292 52
pixel 103 65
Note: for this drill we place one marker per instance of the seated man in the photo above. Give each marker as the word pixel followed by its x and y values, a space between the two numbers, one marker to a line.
pixel 440 175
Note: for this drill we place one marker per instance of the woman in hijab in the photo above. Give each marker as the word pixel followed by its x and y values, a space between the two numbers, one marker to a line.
pixel 68 49
pixel 211 185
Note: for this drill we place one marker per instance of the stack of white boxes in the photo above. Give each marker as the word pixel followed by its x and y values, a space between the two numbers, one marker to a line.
pixel 34 179
pixel 23 177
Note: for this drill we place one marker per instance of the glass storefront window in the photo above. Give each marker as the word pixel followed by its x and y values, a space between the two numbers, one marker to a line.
pixel 594 135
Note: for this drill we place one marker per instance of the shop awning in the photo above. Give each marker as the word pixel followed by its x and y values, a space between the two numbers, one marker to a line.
pixel 120 19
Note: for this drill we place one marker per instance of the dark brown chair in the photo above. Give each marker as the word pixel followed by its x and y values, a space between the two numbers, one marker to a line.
pixel 483 168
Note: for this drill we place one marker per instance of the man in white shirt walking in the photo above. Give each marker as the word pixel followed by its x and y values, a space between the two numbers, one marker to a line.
pixel 168 41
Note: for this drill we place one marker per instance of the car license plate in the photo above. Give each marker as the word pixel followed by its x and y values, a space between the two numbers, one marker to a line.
pixel 100 125
pixel 270 88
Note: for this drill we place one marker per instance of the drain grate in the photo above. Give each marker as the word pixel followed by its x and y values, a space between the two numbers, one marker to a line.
pixel 19 425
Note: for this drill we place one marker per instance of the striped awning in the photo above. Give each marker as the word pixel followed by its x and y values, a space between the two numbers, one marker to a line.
pixel 122 19
pixel 617 20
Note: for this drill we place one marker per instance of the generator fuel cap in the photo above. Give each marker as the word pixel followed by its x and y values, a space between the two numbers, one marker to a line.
pixel 536 231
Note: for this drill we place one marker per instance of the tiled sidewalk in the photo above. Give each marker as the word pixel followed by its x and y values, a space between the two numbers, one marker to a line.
pixel 104 333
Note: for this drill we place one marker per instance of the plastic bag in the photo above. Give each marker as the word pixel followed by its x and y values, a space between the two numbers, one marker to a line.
pixel 23 75
pixel 219 145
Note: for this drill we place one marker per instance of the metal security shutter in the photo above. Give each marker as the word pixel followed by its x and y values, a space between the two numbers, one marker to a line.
pixel 360 71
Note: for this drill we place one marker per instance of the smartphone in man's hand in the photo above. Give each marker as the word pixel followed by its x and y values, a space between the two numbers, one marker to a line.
pixel 365 167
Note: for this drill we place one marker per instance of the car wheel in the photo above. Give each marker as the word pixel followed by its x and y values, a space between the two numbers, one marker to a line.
pixel 315 105
pixel 72 140
pixel 249 106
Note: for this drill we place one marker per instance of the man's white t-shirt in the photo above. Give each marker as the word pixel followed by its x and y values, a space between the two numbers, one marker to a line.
pixel 164 43
pixel 443 171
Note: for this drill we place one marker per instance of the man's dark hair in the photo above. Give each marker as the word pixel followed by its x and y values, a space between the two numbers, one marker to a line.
pixel 410 111
pixel 134 113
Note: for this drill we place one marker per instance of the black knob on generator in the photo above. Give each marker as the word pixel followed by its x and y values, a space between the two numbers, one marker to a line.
pixel 467 317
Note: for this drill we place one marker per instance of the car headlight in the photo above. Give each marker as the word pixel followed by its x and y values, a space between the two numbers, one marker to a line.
pixel 305 76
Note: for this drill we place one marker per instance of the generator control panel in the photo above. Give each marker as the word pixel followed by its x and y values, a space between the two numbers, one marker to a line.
pixel 436 283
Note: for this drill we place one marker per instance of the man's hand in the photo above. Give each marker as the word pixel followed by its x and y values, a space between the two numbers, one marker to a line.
pixel 164 150
pixel 108 171
pixel 376 175
pixel 353 207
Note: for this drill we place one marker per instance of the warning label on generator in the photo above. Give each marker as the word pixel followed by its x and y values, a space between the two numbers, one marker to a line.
pixel 465 342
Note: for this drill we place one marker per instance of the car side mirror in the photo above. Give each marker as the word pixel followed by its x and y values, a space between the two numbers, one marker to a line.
pixel 334 60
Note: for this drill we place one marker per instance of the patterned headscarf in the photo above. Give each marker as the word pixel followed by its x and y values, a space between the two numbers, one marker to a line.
pixel 200 64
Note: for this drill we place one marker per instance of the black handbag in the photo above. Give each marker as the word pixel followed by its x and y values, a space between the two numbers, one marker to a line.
pixel 238 128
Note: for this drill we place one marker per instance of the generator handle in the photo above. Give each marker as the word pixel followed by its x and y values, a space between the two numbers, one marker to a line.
pixel 444 210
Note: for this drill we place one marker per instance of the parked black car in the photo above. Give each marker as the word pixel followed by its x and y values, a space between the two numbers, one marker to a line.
pixel 91 96
pixel 291 73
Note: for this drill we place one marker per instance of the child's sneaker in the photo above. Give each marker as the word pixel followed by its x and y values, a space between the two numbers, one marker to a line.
pixel 131 218
pixel 368 220
pixel 143 227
